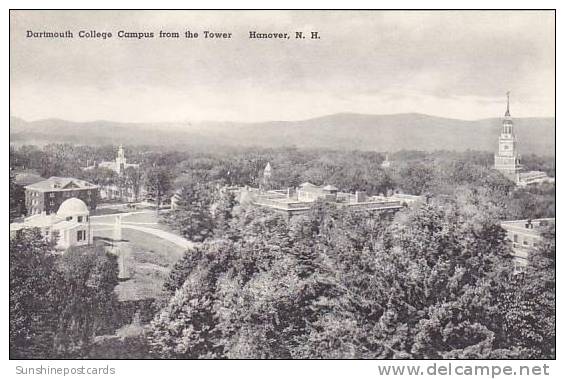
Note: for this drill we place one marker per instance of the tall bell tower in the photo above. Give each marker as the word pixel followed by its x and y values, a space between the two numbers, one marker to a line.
pixel 507 160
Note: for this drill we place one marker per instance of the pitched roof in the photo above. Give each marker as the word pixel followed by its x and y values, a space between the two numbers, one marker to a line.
pixel 308 184
pixel 56 183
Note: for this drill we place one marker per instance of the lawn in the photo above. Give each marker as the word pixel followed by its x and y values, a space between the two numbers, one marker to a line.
pixel 105 211
pixel 149 219
pixel 145 262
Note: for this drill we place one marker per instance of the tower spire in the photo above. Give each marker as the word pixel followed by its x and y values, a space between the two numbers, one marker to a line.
pixel 507 114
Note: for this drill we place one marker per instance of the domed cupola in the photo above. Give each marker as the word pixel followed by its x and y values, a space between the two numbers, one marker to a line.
pixel 72 207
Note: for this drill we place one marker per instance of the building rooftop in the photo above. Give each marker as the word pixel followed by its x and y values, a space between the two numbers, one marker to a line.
pixel 533 225
pixel 295 203
pixel 532 174
pixel 56 183
pixel 43 221
pixel 71 207
pixel 35 221
pixel 308 184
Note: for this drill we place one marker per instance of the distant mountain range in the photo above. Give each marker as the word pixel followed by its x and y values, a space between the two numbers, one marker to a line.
pixel 338 131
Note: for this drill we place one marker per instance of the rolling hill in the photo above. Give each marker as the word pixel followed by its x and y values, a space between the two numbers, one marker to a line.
pixel 339 131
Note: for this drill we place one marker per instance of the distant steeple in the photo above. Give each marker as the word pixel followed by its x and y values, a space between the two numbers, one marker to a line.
pixel 507 159
pixel 507 114
pixel 507 124
pixel 267 171
pixel 386 163
pixel 121 154
pixel 265 182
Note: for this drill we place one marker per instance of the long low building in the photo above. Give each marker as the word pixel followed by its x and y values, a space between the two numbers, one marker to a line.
pixel 300 200
pixel 524 236
pixel 533 177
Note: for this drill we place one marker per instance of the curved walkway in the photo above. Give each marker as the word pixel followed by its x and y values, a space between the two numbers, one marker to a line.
pixel 173 238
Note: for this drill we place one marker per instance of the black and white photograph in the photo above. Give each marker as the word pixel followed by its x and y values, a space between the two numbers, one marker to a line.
pixel 283 185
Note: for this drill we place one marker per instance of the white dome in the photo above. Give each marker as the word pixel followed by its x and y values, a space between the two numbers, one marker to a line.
pixel 71 207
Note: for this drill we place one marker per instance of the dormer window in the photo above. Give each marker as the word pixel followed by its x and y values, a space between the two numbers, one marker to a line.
pixel 69 218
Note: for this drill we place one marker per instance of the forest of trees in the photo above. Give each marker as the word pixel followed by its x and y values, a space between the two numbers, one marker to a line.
pixel 58 303
pixel 433 281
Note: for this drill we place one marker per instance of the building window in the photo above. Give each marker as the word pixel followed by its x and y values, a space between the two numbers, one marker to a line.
pixel 81 235
pixel 515 238
pixel 51 203
pixel 69 218
pixel 52 194
pixel 525 243
pixel 79 218
pixel 518 268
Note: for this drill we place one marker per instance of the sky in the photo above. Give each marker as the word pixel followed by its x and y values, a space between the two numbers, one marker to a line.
pixel 456 64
